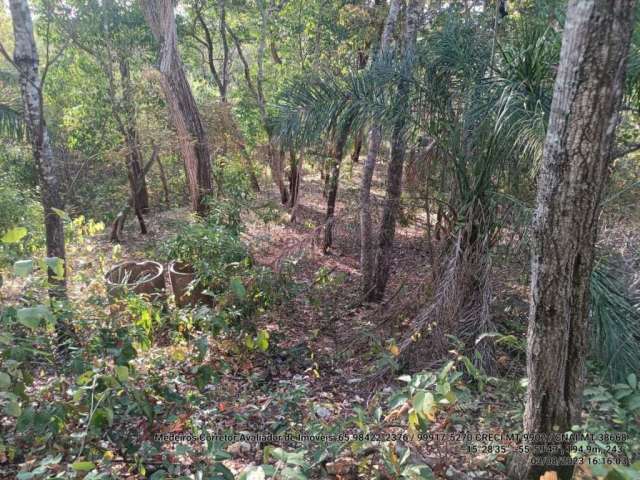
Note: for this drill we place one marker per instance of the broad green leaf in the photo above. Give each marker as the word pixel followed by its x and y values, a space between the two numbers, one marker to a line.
pixel 83 466
pixel 22 268
pixel 632 380
pixel 5 381
pixel 633 403
pixel 14 235
pixel 13 409
pixel 31 316
pixel 122 373
pixel 423 402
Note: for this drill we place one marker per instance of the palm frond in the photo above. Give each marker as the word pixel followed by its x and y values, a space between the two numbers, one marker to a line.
pixel 316 106
pixel 11 123
pixel 615 317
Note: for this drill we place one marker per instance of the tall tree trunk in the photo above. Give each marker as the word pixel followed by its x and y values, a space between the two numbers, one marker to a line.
pixel 26 60
pixel 276 164
pixel 332 192
pixel 182 106
pixel 130 132
pixel 375 140
pixel 577 157
pixel 294 184
pixel 396 162
pixel 294 178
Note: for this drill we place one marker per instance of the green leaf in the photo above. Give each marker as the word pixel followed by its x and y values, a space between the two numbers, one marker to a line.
pixel 13 409
pixel 56 265
pixel 633 403
pixel 263 340
pixel 237 288
pixel 61 213
pixel 632 380
pixel 22 268
pixel 122 373
pixel 83 466
pixel 31 316
pixel 5 381
pixel 423 402
pixel 14 235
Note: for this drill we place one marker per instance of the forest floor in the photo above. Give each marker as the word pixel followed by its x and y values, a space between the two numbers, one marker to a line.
pixel 324 345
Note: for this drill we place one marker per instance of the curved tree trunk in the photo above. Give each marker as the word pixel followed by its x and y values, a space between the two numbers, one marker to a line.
pixel 182 106
pixel 375 139
pixel 575 169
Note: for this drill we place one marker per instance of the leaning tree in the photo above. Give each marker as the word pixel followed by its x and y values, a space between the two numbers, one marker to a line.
pixel 182 105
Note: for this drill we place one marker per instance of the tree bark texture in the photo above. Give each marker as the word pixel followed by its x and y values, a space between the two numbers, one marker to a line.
pixel 332 192
pixel 26 60
pixel 575 169
pixel 374 142
pixel 396 162
pixel 182 106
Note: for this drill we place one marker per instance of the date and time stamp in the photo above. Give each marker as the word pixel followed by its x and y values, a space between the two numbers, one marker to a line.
pixel 604 448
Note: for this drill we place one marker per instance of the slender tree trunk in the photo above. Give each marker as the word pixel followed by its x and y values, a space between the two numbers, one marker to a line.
pixel 577 157
pixel 357 148
pixel 165 185
pixel 294 179
pixel 332 192
pixel 375 140
pixel 294 185
pixel 117 226
pixel 396 162
pixel 136 177
pixel 182 106
pixel 276 164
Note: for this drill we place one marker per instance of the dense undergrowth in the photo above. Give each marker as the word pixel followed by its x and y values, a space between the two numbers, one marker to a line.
pixel 148 390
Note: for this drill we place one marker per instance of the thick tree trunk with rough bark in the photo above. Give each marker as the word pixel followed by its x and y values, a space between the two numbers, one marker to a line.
pixel 182 106
pixel 577 157
pixel 25 58
pixel 375 140
pixel 396 162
